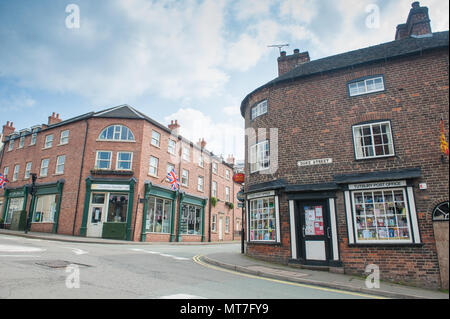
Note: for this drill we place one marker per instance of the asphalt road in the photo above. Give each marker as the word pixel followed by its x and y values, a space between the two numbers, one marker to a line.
pixel 32 268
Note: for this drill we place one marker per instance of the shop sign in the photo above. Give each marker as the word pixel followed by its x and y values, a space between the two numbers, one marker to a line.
pixel 239 178
pixel 322 161
pixel 240 205
pixel 240 196
pixel 377 185
pixel 110 187
pixel 262 194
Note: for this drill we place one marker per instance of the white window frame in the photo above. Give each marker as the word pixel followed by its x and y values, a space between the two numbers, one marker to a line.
pixel 97 160
pixel 265 196
pixel 169 170
pixel 201 160
pixel 170 147
pixel 52 212
pixel 183 177
pixel 156 141
pixel 33 138
pixel 200 184
pixel 214 223
pixel 362 87
pixel 6 171
pixel 227 224
pixel 21 141
pixel 28 170
pixel 45 160
pixel 359 147
pixel 227 194
pixel 258 110
pixel 118 161
pixel 227 174
pixel 63 140
pixel 48 141
pixel 169 215
pixel 11 144
pixel 59 164
pixel 215 168
pixel 186 153
pixel 412 221
pixel 152 168
pixel 117 130
pixel 214 189
pixel 258 157
pixel 16 172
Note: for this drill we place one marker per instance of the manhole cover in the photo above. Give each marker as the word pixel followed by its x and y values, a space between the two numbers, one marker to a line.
pixel 58 263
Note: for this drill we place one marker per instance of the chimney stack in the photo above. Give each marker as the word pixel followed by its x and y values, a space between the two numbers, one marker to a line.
pixel 288 62
pixel 53 119
pixel 201 142
pixel 231 159
pixel 174 127
pixel 8 129
pixel 418 23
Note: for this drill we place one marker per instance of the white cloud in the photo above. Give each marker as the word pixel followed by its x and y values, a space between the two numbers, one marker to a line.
pixel 252 9
pixel 302 11
pixel 15 101
pixel 233 110
pixel 224 137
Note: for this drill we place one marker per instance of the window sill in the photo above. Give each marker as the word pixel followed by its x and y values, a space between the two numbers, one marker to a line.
pixel 46 148
pixel 374 158
pixel 156 146
pixel 151 175
pixel 63 144
pixel 57 174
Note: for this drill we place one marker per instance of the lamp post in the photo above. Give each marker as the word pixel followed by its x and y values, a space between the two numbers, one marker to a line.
pixel 32 193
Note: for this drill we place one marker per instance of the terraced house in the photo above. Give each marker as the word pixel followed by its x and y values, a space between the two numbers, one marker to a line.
pixel 354 175
pixel 104 174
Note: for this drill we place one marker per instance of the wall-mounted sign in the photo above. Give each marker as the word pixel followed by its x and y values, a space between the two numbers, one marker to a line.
pixel 110 187
pixel 262 194
pixel 322 161
pixel 240 196
pixel 239 178
pixel 377 185
pixel 423 186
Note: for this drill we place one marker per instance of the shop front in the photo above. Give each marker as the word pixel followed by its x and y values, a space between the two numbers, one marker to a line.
pixel 191 218
pixel 15 201
pixel 108 208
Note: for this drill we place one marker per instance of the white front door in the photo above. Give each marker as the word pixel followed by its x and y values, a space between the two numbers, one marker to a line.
pixel 220 229
pixel 97 214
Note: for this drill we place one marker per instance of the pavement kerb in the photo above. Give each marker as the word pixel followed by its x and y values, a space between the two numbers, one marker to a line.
pixel 333 285
pixel 72 239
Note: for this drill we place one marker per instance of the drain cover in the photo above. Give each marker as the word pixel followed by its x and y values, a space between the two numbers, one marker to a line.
pixel 58 263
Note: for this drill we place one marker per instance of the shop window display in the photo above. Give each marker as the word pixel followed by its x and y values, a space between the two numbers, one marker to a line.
pixel 158 215
pixel 263 219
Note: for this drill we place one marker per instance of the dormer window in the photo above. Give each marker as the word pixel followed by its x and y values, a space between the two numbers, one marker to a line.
pixel 370 85
pixel 259 109
pixel 116 133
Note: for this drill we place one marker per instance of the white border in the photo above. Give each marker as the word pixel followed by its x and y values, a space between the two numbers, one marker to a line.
pixel 292 225
pixel 334 229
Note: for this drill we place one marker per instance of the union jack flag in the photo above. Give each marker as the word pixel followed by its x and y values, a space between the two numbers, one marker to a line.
pixel 173 180
pixel 3 181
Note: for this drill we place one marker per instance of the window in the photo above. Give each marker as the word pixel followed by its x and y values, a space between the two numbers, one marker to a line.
pixel 64 139
pixel 227 174
pixel 263 219
pixel 11 145
pixel 371 85
pixel 116 133
pixel 214 223
pixel 201 160
pixel 33 138
pixel 21 141
pixel 28 170
pixel 45 209
pixel 171 147
pixel 185 178
pixel 16 172
pixel 170 167
pixel 227 194
pixel 124 161
pixel 200 183
pixel 214 189
pixel 6 171
pixel 186 153
pixel 214 168
pixel 191 220
pixel 48 141
pixel 259 157
pixel 60 161
pixel 381 216
pixel 259 109
pixel 156 138
pixel 103 160
pixel 158 215
pixel 14 205
pixel 44 167
pixel 227 224
pixel 118 208
pixel 440 212
pixel 153 170
pixel 373 140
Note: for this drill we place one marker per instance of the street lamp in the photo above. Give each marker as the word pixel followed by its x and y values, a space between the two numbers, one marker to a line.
pixel 32 193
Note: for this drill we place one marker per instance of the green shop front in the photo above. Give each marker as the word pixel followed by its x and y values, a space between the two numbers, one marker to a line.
pixel 191 218
pixel 15 201
pixel 108 208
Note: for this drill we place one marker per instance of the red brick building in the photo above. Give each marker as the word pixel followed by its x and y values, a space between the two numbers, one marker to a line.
pixel 104 174
pixel 344 168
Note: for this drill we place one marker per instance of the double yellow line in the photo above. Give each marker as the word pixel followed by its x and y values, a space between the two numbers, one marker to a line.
pixel 197 259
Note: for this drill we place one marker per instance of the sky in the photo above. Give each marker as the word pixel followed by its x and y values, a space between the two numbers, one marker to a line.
pixel 193 61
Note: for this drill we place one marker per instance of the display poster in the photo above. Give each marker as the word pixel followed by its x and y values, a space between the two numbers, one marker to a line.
pixel 318 225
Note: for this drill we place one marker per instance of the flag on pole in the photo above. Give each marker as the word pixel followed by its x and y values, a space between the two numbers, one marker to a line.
pixel 173 180
pixel 3 181
pixel 444 145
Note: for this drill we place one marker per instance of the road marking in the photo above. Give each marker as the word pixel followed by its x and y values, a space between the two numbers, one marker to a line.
pixel 198 261
pixel 159 253
pixel 27 256
pixel 181 296
pixel 77 251
pixel 19 249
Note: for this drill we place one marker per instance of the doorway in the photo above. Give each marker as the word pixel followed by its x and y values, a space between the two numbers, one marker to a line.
pixel 97 214
pixel 314 233
pixel 220 228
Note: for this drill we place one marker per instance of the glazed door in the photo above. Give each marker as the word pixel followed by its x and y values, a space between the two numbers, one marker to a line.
pixel 97 214
pixel 314 231
pixel 220 228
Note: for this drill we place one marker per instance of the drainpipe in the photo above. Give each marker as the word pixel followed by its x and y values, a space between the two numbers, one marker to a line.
pixel 81 175
pixel 210 194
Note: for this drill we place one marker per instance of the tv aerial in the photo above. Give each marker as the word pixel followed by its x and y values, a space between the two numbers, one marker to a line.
pixel 279 46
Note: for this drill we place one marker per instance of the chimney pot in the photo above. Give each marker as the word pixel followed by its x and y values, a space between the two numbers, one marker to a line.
pixel 296 51
pixel 7 123
pixel 415 4
pixel 57 116
pixel 283 53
